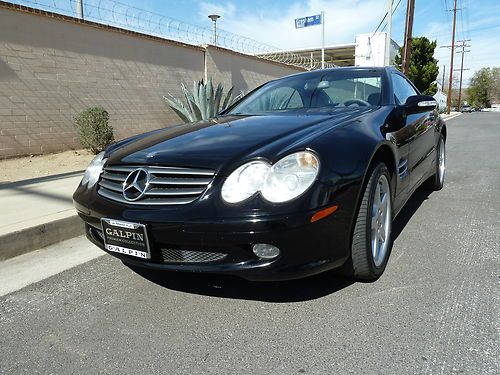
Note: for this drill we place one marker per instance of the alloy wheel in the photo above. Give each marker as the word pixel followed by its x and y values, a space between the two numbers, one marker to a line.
pixel 381 221
pixel 441 161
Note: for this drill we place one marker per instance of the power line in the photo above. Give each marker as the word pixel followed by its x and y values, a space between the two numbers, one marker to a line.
pixel 446 8
pixel 444 4
pixel 467 18
pixel 383 19
pixel 393 11
pixel 462 19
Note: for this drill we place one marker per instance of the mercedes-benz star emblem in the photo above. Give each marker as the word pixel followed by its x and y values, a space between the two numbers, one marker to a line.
pixel 136 184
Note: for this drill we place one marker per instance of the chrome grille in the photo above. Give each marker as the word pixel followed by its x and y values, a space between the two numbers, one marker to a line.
pixel 167 185
pixel 190 256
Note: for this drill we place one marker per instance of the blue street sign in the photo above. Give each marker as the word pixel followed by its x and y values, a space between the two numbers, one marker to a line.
pixel 308 21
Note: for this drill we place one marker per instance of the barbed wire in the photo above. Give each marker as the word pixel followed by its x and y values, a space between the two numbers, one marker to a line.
pixel 114 13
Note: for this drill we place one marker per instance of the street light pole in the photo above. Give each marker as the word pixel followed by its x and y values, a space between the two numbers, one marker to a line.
pixel 322 40
pixel 79 9
pixel 214 18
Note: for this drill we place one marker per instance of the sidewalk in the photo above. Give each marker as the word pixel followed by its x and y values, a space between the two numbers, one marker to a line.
pixel 38 212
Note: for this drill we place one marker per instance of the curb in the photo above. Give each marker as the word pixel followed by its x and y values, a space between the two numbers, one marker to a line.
pixel 451 117
pixel 33 238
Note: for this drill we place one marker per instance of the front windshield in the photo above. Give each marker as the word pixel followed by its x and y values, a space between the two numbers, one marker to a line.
pixel 332 90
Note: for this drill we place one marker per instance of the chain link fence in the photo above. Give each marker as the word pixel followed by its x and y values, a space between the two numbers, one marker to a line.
pixel 114 13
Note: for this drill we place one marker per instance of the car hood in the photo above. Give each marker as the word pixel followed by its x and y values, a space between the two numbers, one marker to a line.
pixel 213 143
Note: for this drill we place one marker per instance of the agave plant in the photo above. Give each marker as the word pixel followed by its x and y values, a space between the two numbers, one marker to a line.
pixel 202 103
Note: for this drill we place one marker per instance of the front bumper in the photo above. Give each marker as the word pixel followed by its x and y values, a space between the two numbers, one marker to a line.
pixel 210 226
pixel 305 248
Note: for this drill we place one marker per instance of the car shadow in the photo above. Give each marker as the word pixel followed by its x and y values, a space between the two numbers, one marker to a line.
pixel 306 289
pixel 36 180
pixel 419 196
pixel 223 286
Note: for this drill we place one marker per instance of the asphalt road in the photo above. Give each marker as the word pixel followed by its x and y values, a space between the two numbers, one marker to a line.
pixel 436 310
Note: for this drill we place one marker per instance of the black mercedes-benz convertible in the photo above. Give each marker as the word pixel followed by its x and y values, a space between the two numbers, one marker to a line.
pixel 302 175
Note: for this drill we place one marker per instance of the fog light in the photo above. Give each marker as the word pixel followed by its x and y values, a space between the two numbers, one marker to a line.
pixel 266 251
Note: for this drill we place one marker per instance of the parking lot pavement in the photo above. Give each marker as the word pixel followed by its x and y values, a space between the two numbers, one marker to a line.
pixel 434 311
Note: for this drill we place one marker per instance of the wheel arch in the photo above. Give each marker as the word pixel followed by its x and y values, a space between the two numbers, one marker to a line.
pixel 443 131
pixel 383 152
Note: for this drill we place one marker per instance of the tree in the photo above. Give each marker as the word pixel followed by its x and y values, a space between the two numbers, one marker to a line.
pixel 423 69
pixel 454 90
pixel 495 88
pixel 484 87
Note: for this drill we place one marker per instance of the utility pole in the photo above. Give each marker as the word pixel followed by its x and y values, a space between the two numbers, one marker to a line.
pixel 79 9
pixel 387 60
pixel 448 109
pixel 410 10
pixel 463 45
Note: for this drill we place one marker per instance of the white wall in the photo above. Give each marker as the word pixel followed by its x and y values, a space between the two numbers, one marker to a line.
pixel 441 98
pixel 370 50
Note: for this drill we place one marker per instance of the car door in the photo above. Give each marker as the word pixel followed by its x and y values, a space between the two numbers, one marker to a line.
pixel 421 127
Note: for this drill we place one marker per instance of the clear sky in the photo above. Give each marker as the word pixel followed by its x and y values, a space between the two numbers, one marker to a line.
pixel 271 22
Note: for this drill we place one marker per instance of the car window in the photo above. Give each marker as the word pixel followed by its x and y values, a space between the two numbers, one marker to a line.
pixel 402 88
pixel 278 99
pixel 366 89
pixel 339 89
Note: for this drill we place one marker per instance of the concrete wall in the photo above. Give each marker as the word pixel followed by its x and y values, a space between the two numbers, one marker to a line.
pixel 52 67
pixel 242 71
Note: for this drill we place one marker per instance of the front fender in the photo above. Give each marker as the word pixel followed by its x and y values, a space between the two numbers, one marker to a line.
pixel 347 154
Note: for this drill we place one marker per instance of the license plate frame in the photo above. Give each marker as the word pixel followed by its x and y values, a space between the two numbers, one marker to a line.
pixel 125 237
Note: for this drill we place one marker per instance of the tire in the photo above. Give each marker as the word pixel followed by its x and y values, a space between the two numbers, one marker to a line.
pixel 436 181
pixel 369 264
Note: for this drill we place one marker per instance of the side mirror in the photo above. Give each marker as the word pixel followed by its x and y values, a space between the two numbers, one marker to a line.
pixel 420 103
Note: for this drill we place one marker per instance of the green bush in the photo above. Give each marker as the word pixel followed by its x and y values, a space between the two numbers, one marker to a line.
pixel 93 129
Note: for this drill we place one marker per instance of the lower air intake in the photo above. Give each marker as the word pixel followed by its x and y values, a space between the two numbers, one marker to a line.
pixel 190 256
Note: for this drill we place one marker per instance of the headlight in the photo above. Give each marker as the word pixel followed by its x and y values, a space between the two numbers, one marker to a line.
pixel 285 180
pixel 94 170
pixel 245 181
pixel 290 177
